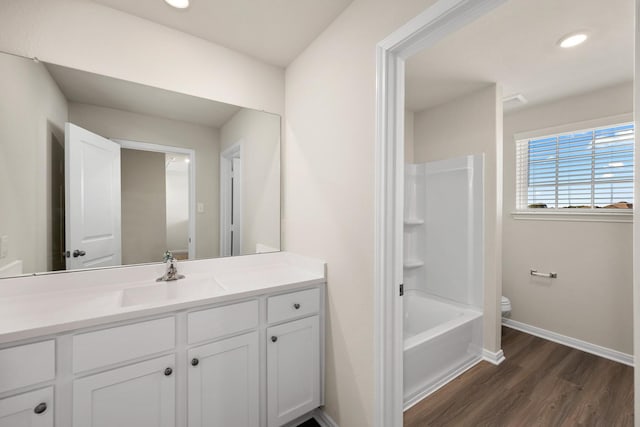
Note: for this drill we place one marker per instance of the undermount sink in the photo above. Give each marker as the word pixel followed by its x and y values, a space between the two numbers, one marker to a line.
pixel 183 289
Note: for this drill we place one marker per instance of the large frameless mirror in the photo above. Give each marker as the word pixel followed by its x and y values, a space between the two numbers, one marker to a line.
pixel 101 172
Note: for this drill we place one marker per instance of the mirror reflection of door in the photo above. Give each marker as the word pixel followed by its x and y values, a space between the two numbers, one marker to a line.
pixel 92 197
pixel 231 201
pixel 126 202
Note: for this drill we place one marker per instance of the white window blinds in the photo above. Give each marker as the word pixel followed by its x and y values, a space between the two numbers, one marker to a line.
pixel 584 169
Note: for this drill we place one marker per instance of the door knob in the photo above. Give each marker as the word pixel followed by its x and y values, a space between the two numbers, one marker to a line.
pixel 78 253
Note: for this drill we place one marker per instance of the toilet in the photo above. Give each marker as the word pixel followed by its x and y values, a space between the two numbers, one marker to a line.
pixel 506 306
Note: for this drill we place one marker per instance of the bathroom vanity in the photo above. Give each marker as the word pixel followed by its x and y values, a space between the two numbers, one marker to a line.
pixel 238 342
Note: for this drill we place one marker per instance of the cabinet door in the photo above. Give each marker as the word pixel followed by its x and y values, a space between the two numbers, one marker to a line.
pixel 33 409
pixel 138 395
pixel 223 383
pixel 293 370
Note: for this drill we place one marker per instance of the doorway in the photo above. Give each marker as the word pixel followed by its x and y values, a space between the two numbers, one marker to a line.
pixel 424 31
pixel 231 201
pixel 177 168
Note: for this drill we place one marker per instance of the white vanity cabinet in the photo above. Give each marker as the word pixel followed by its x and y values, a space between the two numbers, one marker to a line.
pixel 140 394
pixel 223 383
pixel 223 376
pixel 293 356
pixel 254 361
pixel 23 366
pixel 32 409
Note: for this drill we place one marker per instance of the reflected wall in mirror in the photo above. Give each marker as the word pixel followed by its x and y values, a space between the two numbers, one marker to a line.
pixel 102 172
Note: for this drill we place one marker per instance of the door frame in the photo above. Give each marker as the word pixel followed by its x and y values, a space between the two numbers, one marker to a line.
pixel 167 149
pixel 226 160
pixel 426 29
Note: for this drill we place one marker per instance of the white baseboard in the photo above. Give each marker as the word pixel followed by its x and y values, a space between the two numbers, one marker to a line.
pixel 444 381
pixel 492 357
pixel 607 353
pixel 323 418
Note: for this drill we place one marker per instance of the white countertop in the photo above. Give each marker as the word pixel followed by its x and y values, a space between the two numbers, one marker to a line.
pixel 39 305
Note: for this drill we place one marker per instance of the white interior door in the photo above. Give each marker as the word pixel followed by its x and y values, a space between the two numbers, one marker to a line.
pixel 92 193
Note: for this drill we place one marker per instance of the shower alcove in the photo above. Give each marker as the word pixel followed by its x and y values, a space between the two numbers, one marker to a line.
pixel 443 272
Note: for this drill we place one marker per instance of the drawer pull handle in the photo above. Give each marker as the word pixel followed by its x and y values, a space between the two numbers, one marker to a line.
pixel 194 361
pixel 168 372
pixel 274 338
pixel 296 306
pixel 40 408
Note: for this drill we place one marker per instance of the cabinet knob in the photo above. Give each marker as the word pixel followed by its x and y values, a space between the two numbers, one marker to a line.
pixel 194 362
pixel 78 253
pixel 168 371
pixel 296 306
pixel 40 408
pixel 274 338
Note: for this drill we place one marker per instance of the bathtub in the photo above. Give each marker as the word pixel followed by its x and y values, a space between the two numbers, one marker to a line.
pixel 441 341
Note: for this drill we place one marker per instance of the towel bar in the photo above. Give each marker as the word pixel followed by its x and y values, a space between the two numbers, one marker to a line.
pixel 549 275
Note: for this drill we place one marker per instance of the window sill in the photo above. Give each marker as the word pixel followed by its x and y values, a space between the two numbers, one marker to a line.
pixel 600 215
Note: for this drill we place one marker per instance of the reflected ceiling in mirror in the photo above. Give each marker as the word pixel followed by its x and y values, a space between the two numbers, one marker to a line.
pixel 101 172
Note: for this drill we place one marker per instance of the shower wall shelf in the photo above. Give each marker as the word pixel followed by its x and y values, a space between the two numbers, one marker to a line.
pixel 413 263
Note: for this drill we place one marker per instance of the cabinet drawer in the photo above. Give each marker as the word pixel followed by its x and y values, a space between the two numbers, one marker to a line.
pixel 27 364
pixel 33 409
pixel 108 346
pixel 295 304
pixel 220 321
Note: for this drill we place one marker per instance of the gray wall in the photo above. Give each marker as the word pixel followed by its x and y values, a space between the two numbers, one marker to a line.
pixel 591 299
pixel 329 186
pixel 32 116
pixel 259 134
pixel 144 221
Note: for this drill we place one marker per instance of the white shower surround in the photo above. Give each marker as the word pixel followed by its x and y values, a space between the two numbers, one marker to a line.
pixel 443 273
pixel 441 341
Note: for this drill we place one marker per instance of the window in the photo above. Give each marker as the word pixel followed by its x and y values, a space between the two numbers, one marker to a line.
pixel 588 169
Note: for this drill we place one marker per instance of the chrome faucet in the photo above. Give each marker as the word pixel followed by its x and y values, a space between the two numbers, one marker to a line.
pixel 171 273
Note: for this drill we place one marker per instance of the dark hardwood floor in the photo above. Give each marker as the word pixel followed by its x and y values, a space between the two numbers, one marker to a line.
pixel 540 383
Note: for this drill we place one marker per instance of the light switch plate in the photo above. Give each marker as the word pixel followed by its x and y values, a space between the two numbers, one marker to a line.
pixel 200 207
pixel 4 246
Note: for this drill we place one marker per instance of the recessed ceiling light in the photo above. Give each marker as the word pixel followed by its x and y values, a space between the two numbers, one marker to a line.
pixel 178 4
pixel 572 40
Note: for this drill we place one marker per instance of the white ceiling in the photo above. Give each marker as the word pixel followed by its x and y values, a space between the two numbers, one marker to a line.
pixel 94 89
pixel 516 46
pixel 274 31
